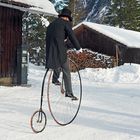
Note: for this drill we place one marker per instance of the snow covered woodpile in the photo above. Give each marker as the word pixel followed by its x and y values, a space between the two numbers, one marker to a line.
pixel 123 44
pixel 89 59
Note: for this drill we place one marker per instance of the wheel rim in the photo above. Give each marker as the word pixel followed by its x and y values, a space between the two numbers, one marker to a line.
pixel 38 121
pixel 63 109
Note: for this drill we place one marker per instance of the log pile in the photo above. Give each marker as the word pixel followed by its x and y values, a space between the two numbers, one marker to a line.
pixel 89 59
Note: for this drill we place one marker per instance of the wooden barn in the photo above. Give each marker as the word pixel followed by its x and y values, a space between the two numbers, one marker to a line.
pixel 13 54
pixel 120 43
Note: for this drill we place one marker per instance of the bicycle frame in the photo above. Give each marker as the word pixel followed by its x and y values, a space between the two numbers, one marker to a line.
pixel 42 90
pixel 39 117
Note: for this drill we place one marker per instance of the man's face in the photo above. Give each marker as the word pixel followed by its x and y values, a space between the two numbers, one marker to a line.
pixel 66 18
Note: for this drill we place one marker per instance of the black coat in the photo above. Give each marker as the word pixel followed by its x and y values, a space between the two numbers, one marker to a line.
pixel 56 51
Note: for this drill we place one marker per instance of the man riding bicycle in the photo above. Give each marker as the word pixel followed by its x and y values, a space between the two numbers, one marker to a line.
pixel 56 51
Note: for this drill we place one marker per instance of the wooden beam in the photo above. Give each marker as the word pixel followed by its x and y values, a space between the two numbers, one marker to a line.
pixel 25 9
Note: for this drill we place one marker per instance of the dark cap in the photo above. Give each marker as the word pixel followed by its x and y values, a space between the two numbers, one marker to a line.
pixel 65 12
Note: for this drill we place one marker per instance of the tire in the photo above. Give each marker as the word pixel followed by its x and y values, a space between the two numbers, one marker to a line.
pixel 38 121
pixel 63 109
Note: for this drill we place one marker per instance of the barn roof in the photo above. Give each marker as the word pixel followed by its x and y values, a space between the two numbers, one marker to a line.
pixel 33 6
pixel 127 37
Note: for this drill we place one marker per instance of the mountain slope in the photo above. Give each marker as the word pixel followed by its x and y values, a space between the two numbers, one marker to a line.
pixel 95 9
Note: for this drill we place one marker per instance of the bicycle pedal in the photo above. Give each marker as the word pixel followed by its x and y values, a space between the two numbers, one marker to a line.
pixel 62 90
pixel 74 98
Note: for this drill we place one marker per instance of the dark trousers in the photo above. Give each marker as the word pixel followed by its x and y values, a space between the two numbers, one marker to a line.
pixel 56 74
pixel 66 76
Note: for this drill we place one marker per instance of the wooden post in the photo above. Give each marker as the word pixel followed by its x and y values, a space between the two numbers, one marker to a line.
pixel 117 55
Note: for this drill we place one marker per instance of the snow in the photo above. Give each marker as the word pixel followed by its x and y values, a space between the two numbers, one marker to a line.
pixel 44 6
pixel 45 22
pixel 109 110
pixel 127 37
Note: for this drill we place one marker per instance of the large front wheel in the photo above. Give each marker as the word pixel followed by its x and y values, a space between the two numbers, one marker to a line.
pixel 63 109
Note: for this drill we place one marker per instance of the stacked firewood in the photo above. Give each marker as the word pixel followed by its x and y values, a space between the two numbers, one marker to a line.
pixel 89 59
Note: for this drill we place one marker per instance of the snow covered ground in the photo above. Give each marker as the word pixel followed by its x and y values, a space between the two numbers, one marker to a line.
pixel 110 107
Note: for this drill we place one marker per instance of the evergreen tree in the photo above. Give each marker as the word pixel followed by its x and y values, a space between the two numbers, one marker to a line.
pixel 34 30
pixel 60 4
pixel 132 11
pixel 77 11
pixel 125 14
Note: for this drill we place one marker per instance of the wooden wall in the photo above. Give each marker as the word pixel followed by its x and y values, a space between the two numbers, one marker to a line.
pixel 98 42
pixel 10 41
pixel 132 55
pixel 95 41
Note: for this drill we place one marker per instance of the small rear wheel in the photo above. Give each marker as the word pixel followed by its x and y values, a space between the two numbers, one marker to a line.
pixel 38 121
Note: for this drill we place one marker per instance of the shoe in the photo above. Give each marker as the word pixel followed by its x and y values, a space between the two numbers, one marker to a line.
pixel 56 83
pixel 74 98
pixel 70 95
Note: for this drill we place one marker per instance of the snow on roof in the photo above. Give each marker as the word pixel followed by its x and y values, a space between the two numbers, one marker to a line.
pixel 43 6
pixel 127 37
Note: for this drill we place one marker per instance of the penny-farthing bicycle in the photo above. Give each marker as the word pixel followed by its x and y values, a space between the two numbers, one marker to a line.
pixel 62 109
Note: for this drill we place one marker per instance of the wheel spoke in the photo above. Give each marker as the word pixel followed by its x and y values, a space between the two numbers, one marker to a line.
pixel 63 109
pixel 38 121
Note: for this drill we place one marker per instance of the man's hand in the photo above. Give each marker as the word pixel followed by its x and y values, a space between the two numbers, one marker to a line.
pixel 79 51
